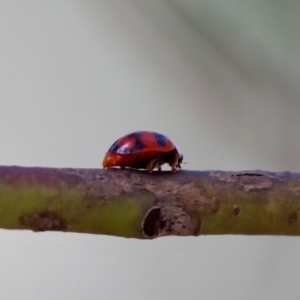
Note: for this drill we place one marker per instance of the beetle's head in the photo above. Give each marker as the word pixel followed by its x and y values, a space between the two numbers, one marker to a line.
pixel 110 160
pixel 180 155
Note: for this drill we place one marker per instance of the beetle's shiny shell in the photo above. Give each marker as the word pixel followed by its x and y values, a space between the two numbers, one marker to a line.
pixel 142 150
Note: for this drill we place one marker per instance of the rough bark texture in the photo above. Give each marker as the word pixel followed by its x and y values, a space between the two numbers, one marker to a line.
pixel 137 204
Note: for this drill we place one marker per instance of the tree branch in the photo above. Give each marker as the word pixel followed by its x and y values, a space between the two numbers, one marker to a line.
pixel 137 204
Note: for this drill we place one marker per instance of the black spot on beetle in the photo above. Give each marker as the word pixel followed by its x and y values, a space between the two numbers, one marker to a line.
pixel 139 145
pixel 160 139
pixel 134 135
pixel 114 147
pixel 124 149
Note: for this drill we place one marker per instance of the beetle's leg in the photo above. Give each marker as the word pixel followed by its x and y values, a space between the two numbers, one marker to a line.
pixel 151 166
pixel 155 163
pixel 174 164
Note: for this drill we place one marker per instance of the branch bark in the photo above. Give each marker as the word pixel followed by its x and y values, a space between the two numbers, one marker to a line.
pixel 137 204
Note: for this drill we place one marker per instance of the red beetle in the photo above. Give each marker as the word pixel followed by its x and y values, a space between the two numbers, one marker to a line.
pixel 143 150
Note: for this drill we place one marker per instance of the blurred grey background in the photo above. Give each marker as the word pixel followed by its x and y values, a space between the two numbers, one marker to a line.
pixel 219 77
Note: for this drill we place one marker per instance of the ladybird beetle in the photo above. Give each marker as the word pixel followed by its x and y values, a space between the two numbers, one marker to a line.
pixel 143 150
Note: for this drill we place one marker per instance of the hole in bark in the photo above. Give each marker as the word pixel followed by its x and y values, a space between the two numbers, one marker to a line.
pixel 152 222
pixel 101 178
pixel 162 224
pixel 247 174
pixel 44 221
pixel 293 217
pixel 236 210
